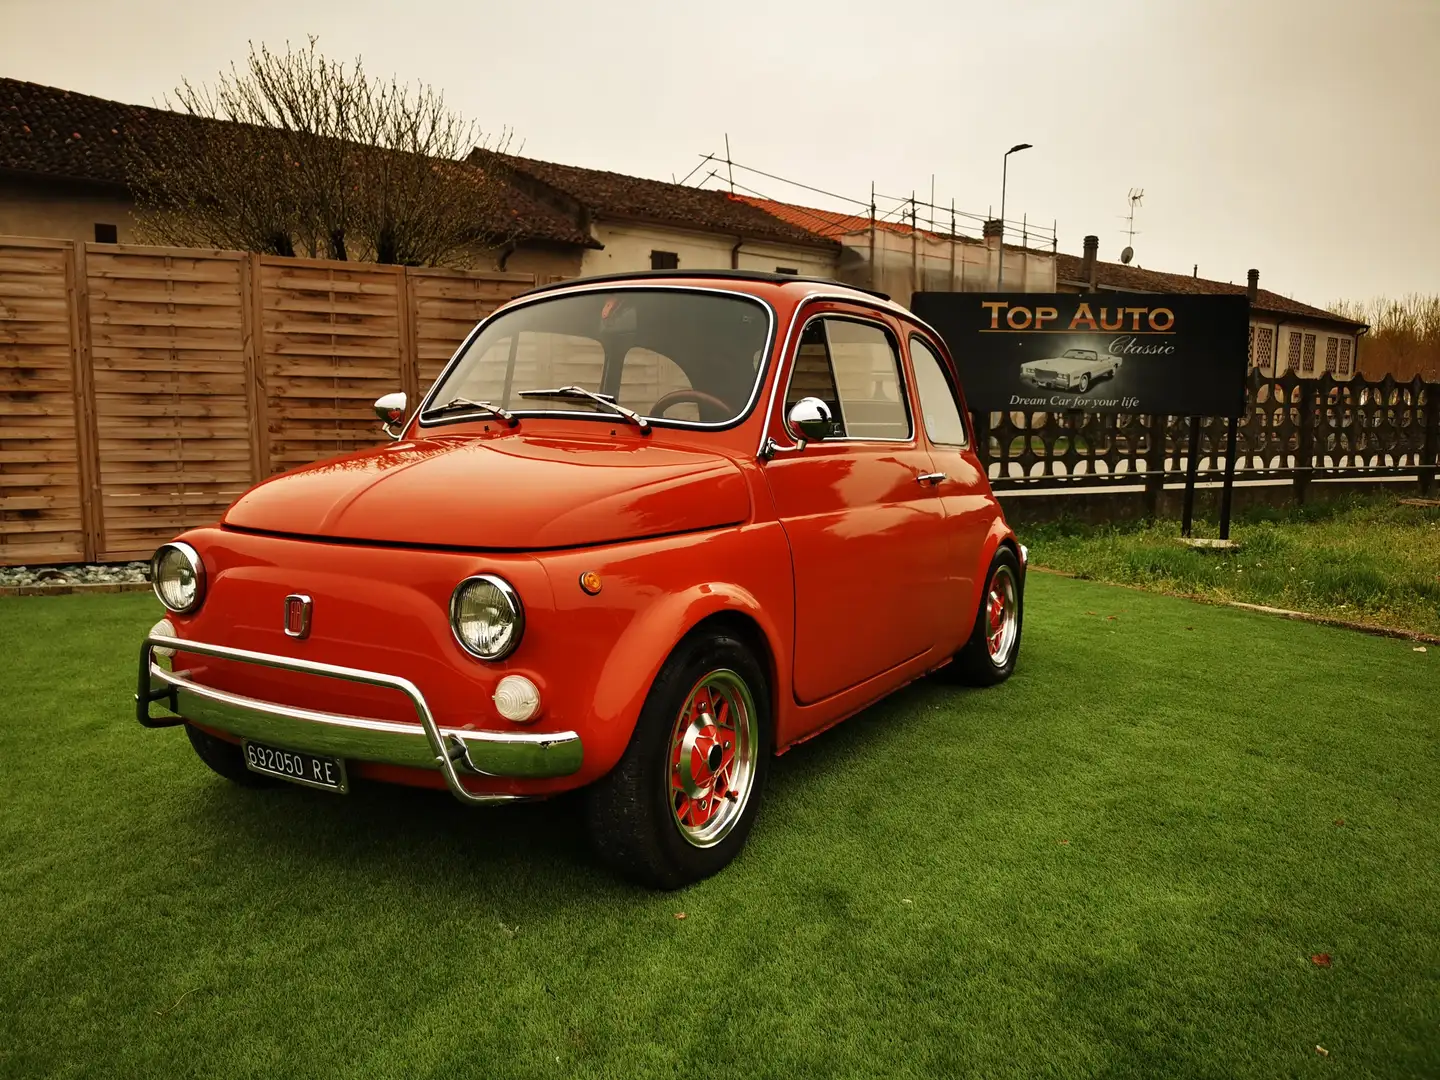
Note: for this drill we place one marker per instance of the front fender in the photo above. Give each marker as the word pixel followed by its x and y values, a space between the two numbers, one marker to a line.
pixel 654 593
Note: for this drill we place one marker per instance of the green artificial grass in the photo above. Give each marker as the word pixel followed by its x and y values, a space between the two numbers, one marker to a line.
pixel 1118 864
pixel 1366 559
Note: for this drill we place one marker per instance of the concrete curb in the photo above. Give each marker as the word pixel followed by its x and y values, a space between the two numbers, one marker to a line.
pixel 75 588
pixel 1283 613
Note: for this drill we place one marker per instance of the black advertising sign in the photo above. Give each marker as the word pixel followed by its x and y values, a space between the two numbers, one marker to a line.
pixel 1182 355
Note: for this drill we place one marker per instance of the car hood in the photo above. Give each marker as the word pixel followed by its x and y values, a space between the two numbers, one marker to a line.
pixel 1067 364
pixel 512 493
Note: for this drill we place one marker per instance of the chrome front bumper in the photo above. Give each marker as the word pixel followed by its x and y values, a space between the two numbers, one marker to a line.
pixel 453 751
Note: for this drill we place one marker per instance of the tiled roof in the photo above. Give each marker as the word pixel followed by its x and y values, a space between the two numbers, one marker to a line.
pixel 1069 268
pixel 829 223
pixel 60 133
pixel 635 198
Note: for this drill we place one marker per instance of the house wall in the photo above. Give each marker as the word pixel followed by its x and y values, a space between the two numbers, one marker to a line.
pixel 628 246
pixel 1303 347
pixel 906 263
pixel 63 209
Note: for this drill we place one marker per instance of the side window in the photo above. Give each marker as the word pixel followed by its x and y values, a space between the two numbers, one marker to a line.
pixel 854 368
pixel 943 422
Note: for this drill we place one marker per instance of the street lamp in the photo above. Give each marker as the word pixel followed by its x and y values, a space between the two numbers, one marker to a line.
pixel 1004 170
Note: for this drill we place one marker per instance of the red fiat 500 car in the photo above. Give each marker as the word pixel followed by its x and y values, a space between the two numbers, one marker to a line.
pixel 643 533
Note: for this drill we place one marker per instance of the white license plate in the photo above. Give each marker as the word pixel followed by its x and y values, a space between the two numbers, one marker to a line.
pixel 312 770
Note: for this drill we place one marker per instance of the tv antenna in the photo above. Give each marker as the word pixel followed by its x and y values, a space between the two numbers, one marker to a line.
pixel 1136 195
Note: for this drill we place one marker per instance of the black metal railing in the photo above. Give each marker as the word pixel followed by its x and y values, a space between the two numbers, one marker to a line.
pixel 1293 428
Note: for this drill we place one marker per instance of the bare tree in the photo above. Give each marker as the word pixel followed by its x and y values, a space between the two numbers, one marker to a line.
pixel 1404 336
pixel 298 154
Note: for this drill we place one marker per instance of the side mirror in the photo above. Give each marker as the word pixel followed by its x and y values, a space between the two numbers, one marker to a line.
pixel 391 410
pixel 812 418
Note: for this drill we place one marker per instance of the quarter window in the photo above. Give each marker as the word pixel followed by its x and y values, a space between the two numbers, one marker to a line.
pixel 938 406
pixel 854 368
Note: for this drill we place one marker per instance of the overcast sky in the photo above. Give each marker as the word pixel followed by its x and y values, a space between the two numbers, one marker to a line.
pixel 1301 137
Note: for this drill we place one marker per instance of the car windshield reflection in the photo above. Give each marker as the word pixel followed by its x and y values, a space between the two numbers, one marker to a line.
pixel 670 355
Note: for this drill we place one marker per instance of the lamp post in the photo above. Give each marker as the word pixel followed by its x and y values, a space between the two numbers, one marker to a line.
pixel 1004 171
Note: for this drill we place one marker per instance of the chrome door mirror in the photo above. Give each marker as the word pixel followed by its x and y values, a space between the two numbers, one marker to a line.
pixel 812 418
pixel 391 410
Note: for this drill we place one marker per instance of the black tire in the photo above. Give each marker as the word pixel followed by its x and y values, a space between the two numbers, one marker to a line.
pixel 629 813
pixel 226 759
pixel 974 664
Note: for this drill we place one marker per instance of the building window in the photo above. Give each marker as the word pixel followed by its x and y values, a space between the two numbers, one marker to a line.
pixel 1251 346
pixel 786 270
pixel 1292 357
pixel 1307 362
pixel 664 260
pixel 1343 369
pixel 106 234
pixel 1332 354
pixel 1261 347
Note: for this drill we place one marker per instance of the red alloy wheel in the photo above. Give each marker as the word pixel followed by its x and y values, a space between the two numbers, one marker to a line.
pixel 712 758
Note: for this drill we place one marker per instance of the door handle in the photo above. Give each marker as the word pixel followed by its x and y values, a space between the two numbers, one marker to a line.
pixel 930 478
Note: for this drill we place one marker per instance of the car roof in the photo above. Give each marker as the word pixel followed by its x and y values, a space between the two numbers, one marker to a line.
pixel 704 275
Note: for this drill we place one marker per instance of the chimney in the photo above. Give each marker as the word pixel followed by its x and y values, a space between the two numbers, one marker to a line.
pixel 1089 269
pixel 1252 285
pixel 992 231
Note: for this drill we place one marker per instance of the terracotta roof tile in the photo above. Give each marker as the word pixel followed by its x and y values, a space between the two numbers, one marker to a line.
pixel 615 195
pixel 55 132
pixel 1069 268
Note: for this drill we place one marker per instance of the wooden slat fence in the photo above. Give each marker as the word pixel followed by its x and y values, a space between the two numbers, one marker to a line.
pixel 142 389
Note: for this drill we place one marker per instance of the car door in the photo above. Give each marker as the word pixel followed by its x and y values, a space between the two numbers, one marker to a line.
pixel 967 501
pixel 864 523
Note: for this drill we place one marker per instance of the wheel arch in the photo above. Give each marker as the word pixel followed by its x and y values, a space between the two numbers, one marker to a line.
pixel 641 651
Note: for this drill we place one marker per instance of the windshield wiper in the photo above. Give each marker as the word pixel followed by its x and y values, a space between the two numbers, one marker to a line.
pixel 607 400
pixel 458 403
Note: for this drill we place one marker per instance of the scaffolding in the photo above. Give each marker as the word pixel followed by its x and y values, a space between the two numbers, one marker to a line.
pixel 901 245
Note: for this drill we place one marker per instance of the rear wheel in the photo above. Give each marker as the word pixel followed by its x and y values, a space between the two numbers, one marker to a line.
pixel 683 798
pixel 989 656
pixel 227 759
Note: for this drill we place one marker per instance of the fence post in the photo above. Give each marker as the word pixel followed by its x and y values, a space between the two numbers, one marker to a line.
pixel 1155 478
pixel 1305 452
pixel 252 336
pixel 1432 436
pixel 87 435
pixel 409 343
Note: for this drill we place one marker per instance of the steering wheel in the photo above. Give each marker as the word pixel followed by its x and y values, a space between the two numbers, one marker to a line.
pixel 682 397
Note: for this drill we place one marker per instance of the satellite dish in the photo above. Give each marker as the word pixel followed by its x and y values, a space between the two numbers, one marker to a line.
pixel 1127 255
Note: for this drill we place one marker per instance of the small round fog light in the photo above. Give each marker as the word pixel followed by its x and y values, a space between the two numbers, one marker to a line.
pixel 517 699
pixel 163 628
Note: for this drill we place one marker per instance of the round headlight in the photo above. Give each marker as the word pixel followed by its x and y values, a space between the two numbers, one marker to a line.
pixel 178 577
pixel 487 618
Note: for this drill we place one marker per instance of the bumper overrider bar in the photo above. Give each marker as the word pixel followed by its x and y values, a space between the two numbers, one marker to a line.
pixel 455 752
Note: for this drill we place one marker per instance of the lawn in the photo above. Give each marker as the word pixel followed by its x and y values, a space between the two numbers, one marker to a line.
pixel 1118 864
pixel 1362 559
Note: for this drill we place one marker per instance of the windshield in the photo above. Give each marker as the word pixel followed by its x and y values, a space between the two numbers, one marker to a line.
pixel 667 354
pixel 1080 354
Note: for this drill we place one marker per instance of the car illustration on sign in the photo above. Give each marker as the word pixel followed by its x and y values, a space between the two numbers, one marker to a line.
pixel 1075 370
pixel 643 533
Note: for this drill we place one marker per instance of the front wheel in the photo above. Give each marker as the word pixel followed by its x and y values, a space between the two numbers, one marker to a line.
pixel 685 794
pixel 1084 387
pixel 989 656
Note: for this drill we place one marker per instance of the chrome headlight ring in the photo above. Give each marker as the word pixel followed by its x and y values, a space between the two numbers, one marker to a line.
pixel 497 599
pixel 177 574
